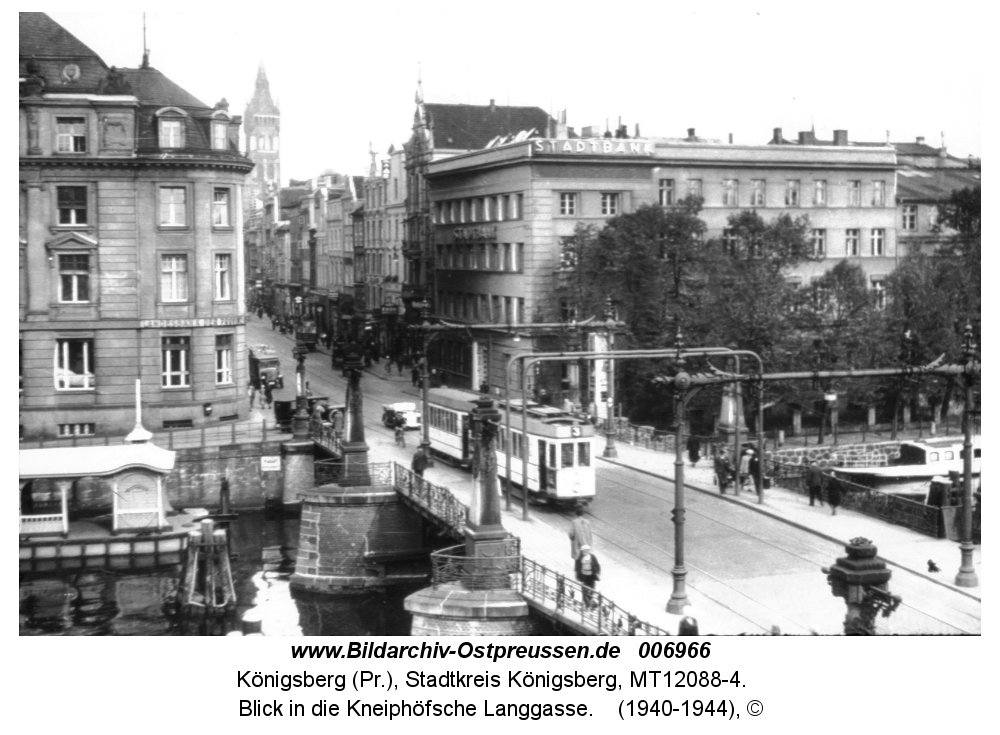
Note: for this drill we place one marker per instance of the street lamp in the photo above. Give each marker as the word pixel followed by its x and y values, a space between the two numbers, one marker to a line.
pixel 682 380
pixel 300 421
pixel 966 576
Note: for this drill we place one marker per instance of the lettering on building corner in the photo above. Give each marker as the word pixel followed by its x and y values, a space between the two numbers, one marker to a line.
pixel 220 321
pixel 613 146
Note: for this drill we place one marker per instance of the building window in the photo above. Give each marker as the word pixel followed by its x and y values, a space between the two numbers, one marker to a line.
pixel 223 359
pixel 853 193
pixel 878 293
pixel 74 364
pixel 516 201
pixel 71 201
pixel 74 278
pixel 694 187
pixel 223 276
pixel 609 204
pixel 498 208
pixel 173 206
pixel 71 135
pixel 175 361
pixel 910 217
pixel 220 207
pixel 567 204
pixel 878 193
pixel 792 193
pixel 173 278
pixel 84 429
pixel 667 192
pixel 171 133
pixel 818 241
pixel 488 212
pixel 853 241
pixel 729 241
pixel 219 139
pixel 819 193
pixel 878 241
pixel 730 193
pixel 757 192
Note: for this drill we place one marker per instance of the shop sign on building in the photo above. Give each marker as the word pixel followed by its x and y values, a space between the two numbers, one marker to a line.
pixel 589 146
pixel 219 321
pixel 475 234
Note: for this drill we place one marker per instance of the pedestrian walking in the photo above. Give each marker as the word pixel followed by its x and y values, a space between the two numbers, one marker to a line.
pixel 415 376
pixel 723 469
pixel 814 481
pixel 588 572
pixel 694 449
pixel 269 393
pixel 833 494
pixel 579 534
pixel 419 463
pixel 744 470
pixel 388 366
pixel 754 466
pixel 319 411
pixel 309 390
pixel 251 392
pixel 399 367
pixel 338 424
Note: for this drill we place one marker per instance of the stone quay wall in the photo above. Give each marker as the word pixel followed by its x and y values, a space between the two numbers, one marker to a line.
pixel 873 454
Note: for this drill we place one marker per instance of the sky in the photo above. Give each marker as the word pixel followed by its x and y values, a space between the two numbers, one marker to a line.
pixel 345 76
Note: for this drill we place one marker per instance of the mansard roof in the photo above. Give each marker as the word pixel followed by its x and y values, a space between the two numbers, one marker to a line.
pixel 471 127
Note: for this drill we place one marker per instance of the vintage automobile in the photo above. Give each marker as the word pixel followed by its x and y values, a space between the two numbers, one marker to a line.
pixel 307 334
pixel 264 366
pixel 391 412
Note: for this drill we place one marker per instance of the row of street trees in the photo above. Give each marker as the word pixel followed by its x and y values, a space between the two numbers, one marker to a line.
pixel 735 291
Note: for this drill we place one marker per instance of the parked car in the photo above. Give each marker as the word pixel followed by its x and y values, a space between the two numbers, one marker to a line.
pixel 391 412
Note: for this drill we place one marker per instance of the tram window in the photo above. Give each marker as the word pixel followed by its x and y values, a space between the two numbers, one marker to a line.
pixel 516 443
pixel 567 454
pixel 583 451
pixel 949 455
pixel 552 457
pixel 933 457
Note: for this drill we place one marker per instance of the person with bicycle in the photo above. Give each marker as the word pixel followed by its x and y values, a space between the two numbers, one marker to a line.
pixel 398 426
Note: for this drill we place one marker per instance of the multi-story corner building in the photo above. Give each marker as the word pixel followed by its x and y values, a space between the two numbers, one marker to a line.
pixel 131 253
pixel 927 177
pixel 440 131
pixel 500 215
pixel 262 129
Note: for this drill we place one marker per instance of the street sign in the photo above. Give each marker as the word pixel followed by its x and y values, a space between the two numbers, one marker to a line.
pixel 270 464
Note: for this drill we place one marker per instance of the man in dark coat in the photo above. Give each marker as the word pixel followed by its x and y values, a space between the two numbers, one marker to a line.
pixel 754 466
pixel 723 469
pixel 833 494
pixel 814 481
pixel 419 463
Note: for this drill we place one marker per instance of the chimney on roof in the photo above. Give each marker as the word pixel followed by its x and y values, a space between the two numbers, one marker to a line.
pixel 637 131
pixel 493 105
pixel 840 137
pixel 691 135
pixel 730 139
pixel 778 137
pixel 920 140
pixel 804 137
pixel 943 150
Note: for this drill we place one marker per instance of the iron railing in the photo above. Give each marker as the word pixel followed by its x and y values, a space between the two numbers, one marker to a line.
pixel 561 594
pixel 436 500
pixel 223 434
pixel 323 434
pixel 479 572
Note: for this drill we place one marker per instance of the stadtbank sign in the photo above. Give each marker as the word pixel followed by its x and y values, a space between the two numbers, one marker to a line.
pixel 592 146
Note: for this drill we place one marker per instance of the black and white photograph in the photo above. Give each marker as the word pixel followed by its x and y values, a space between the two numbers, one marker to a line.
pixel 474 320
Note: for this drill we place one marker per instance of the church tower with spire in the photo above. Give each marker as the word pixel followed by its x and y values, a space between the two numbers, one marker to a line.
pixel 262 125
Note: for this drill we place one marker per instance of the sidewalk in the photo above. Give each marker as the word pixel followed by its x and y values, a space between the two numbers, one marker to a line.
pixel 897 545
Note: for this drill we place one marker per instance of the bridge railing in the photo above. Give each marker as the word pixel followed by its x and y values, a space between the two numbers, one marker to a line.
pixel 562 594
pixel 330 471
pixel 884 506
pixel 323 434
pixel 479 572
pixel 436 499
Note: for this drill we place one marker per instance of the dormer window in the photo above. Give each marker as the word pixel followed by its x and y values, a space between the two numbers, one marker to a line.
pixel 220 140
pixel 71 135
pixel 171 133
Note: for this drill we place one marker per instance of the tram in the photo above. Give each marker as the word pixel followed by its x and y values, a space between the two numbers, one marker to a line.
pixel 559 445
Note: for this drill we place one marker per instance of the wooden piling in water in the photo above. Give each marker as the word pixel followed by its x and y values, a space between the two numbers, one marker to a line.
pixel 207 578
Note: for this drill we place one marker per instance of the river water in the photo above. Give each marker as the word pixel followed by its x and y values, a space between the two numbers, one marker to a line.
pixel 113 602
